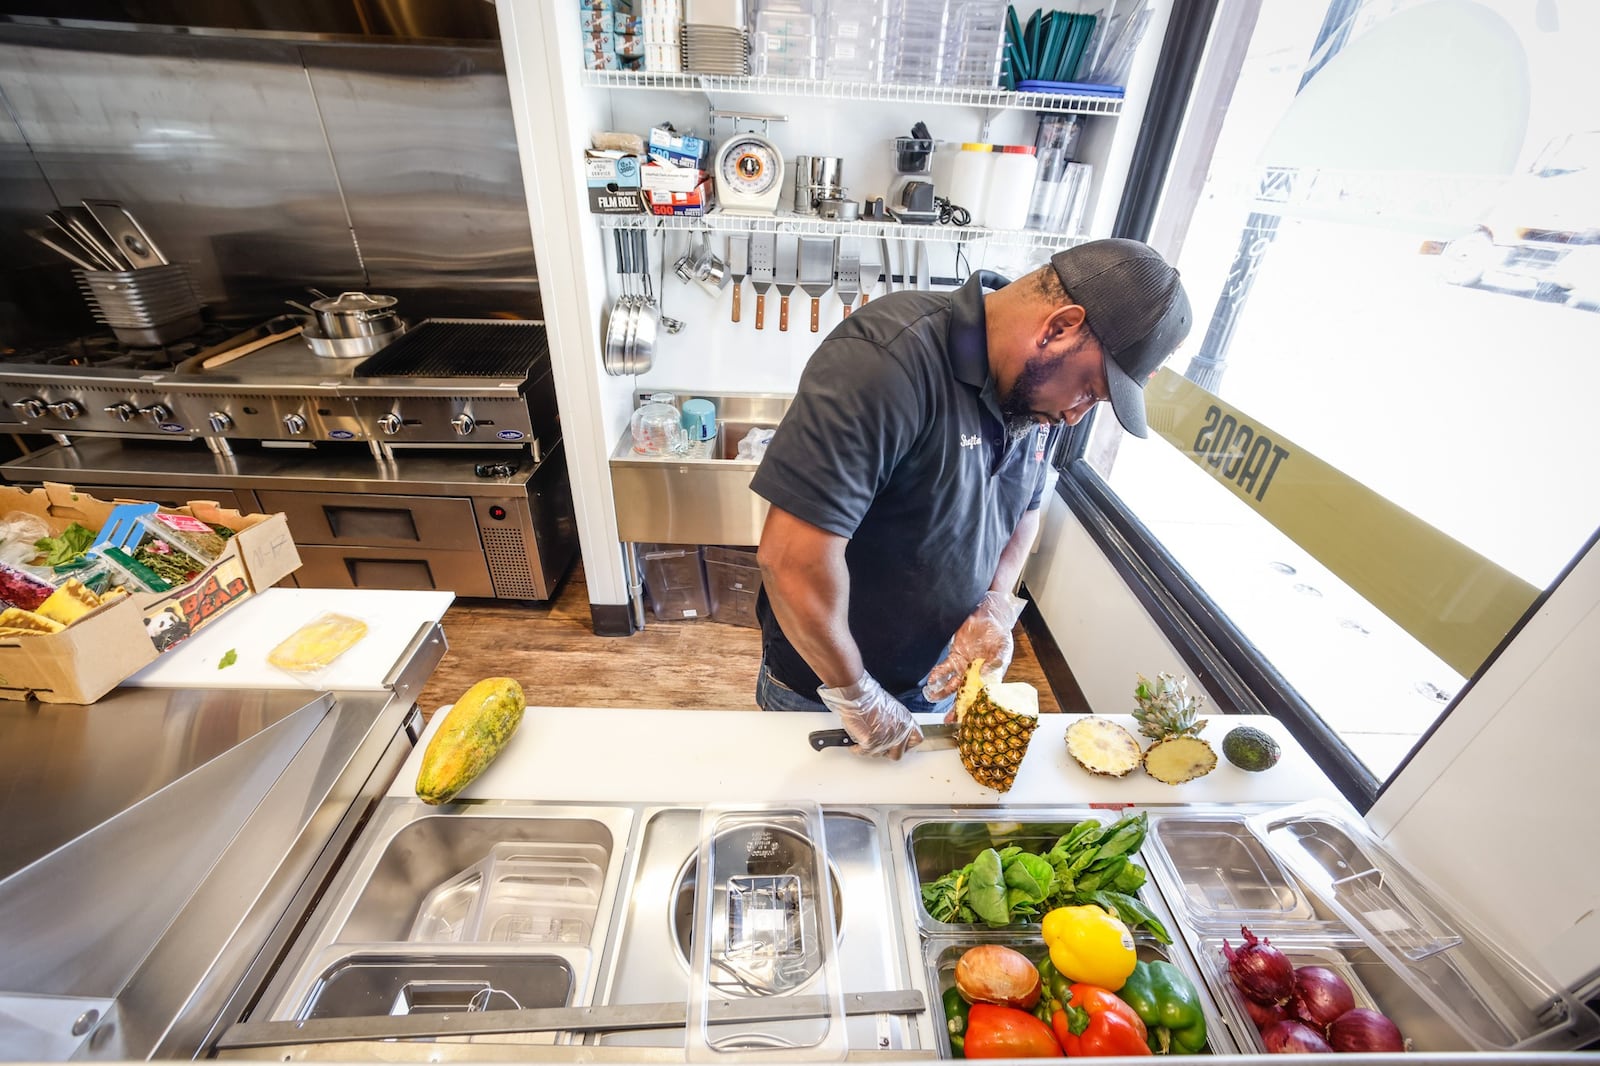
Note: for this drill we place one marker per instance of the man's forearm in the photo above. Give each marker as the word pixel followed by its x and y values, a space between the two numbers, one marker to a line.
pixel 1012 557
pixel 808 584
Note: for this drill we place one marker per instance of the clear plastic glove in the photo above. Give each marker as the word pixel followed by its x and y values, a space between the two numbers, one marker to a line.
pixel 875 720
pixel 986 635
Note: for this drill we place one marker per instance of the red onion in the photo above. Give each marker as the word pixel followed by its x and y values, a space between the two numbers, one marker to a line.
pixel 1264 1014
pixel 1292 1038
pixel 1259 970
pixel 1320 996
pixel 1360 1029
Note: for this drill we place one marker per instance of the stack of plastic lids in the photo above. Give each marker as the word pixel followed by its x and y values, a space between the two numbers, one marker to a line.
pixel 784 44
pixel 973 39
pixel 915 41
pixel 852 47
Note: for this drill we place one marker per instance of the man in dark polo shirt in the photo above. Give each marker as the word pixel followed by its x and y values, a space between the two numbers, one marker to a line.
pixel 906 477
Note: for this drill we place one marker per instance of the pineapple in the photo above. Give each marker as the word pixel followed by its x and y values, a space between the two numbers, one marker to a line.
pixel 1167 715
pixel 1102 747
pixel 995 723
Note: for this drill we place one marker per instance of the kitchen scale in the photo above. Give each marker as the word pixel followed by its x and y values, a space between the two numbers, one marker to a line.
pixel 749 168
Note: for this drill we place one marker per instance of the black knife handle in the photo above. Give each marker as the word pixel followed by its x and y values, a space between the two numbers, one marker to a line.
pixel 832 738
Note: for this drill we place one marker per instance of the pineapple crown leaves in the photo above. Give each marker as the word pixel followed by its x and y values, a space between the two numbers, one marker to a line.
pixel 1165 707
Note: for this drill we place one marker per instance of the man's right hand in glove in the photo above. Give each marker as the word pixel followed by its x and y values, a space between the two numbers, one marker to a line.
pixel 875 720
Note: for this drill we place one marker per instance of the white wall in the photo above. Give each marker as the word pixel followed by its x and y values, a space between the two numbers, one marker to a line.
pixel 1102 630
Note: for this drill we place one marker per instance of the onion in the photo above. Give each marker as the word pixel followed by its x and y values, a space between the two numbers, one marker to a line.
pixel 1320 996
pixel 1264 1014
pixel 1360 1029
pixel 1259 970
pixel 994 973
pixel 1292 1038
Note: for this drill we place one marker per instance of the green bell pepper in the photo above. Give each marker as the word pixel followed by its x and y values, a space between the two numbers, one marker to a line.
pixel 1054 990
pixel 1161 995
pixel 956 1011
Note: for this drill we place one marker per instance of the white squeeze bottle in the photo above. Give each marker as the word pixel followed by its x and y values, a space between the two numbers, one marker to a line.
pixel 1005 205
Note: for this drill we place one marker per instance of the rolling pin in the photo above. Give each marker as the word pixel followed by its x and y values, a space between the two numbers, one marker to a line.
pixel 243 350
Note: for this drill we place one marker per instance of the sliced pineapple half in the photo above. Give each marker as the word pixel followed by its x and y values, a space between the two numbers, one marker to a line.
pixel 996 724
pixel 1181 758
pixel 1102 747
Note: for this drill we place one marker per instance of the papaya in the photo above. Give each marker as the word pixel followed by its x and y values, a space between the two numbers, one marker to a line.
pixel 473 732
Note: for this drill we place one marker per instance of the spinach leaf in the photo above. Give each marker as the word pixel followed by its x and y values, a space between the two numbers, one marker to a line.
pixel 1125 837
pixel 1133 913
pixel 1131 879
pixel 1030 875
pixel 1103 876
pixel 986 890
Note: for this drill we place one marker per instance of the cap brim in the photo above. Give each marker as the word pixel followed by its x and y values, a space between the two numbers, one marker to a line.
pixel 1127 399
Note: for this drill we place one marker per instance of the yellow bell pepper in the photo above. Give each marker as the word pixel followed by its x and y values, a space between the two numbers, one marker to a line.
pixel 1089 945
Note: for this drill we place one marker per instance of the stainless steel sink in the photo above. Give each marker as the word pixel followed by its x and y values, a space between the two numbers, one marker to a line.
pixel 649 959
pixel 689 500
pixel 485 907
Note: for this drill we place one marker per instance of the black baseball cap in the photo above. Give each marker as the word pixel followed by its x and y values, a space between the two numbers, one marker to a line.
pixel 1135 304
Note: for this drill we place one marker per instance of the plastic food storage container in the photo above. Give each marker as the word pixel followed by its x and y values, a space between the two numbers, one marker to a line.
pixel 1011 174
pixel 936 845
pixel 940 955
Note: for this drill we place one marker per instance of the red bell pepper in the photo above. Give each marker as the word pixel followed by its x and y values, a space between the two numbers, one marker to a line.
pixel 995 1032
pixel 1094 1022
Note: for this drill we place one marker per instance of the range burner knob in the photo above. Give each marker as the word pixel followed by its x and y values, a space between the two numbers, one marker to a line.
pixel 464 423
pixel 123 412
pixel 157 413
pixel 66 410
pixel 219 422
pixel 390 423
pixel 294 423
pixel 32 407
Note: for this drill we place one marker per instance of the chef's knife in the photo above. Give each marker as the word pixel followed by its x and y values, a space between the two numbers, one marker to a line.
pixel 738 265
pixel 786 275
pixel 763 254
pixel 934 738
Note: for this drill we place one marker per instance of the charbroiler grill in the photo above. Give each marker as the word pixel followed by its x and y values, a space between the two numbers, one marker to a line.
pixel 434 463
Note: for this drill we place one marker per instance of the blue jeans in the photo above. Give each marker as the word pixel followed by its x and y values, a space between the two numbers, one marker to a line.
pixel 774 695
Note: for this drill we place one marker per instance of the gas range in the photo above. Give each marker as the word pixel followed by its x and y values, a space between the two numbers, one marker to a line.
pixel 480 382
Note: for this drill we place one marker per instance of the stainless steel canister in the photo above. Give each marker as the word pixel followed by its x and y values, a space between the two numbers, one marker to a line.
pixel 803 204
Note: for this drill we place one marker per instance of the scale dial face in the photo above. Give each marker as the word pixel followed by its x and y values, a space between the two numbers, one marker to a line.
pixel 749 174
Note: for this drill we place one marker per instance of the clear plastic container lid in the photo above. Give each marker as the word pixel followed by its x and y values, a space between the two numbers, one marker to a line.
pixel 1219 875
pixel 763 928
pixel 1493 1000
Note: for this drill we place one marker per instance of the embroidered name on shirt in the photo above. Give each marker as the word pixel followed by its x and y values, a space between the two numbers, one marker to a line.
pixel 970 440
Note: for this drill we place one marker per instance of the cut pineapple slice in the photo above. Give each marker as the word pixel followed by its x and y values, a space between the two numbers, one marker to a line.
pixel 1179 759
pixel 1102 747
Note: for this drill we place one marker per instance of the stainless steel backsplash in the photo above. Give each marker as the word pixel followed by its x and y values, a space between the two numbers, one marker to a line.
pixel 268 166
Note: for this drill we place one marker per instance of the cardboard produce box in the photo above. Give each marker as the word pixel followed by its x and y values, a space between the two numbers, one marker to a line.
pixel 97 651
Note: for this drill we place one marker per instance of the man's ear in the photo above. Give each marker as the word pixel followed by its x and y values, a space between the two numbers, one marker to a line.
pixel 1062 323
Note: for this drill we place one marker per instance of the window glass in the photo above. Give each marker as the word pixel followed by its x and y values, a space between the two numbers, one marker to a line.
pixel 1376 447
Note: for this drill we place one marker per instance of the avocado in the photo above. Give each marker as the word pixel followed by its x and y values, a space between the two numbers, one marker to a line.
pixel 1249 748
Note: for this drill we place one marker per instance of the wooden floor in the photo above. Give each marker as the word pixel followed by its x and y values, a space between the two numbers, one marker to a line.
pixel 552 650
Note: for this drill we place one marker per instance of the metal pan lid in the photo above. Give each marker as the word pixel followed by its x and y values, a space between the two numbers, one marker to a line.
pixel 350 302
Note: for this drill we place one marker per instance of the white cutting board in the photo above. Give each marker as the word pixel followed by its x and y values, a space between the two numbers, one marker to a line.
pixel 703 756
pixel 256 626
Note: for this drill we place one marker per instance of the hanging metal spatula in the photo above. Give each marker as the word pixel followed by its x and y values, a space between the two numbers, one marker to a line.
pixel 816 273
pixel 871 269
pixel 763 257
pixel 738 265
pixel 786 276
pixel 848 273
